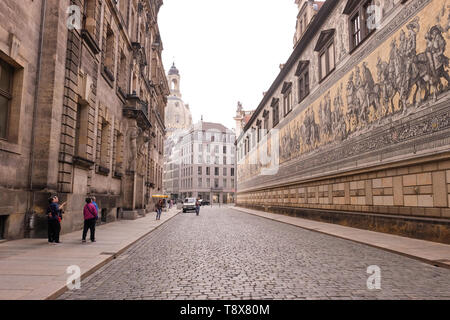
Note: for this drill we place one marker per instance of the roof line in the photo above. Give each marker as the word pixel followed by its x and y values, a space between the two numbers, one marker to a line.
pixel 312 30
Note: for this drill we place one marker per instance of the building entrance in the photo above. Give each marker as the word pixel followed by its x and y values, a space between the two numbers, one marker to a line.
pixel 2 226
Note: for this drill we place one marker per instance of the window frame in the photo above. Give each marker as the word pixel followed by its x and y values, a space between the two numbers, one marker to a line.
pixel 8 95
pixel 361 11
pixel 275 114
pixel 303 82
pixel 325 51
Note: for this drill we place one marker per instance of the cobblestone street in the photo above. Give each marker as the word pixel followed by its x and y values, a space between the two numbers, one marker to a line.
pixel 226 254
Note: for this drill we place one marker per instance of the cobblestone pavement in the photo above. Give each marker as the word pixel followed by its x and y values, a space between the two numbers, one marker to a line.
pixel 226 254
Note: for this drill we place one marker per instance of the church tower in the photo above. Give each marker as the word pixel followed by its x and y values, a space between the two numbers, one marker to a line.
pixel 174 81
pixel 177 115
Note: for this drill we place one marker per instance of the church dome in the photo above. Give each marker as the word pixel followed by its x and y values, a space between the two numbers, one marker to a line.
pixel 173 70
pixel 177 115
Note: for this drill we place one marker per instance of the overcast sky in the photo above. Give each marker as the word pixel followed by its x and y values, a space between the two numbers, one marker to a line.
pixel 226 51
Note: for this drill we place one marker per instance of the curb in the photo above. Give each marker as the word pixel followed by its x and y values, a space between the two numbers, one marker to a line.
pixel 428 261
pixel 89 272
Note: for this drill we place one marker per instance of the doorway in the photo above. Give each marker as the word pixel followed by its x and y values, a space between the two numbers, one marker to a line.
pixel 104 215
pixel 3 227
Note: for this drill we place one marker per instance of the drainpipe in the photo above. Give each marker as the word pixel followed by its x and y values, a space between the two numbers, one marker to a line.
pixel 29 215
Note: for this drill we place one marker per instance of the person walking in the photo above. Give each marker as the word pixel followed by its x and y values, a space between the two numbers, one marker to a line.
pixel 90 218
pixel 95 204
pixel 54 217
pixel 197 206
pixel 159 206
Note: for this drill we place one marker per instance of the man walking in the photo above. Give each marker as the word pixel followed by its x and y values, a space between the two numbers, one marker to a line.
pixel 159 206
pixel 90 218
pixel 197 206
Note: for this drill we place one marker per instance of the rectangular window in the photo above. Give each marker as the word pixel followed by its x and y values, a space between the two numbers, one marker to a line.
pixel 327 62
pixel 356 30
pixel 81 131
pixel 266 123
pixel 358 23
pixel 200 183
pixel 208 183
pixel 323 65
pixel 224 149
pixel 200 171
pixel 216 171
pixel 224 160
pixel 6 77
pixel 276 114
pixel 109 47
pixel 331 57
pixel 303 85
pixel 225 172
pixel 200 148
pixel 208 171
pixel 224 183
pixel 216 183
pixel 232 172
pixel 208 148
pixel 287 102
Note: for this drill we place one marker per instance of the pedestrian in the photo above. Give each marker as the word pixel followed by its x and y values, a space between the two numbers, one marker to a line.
pixel 197 206
pixel 159 205
pixel 54 218
pixel 90 218
pixel 95 204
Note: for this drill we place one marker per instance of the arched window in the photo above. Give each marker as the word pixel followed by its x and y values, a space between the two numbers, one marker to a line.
pixel 174 84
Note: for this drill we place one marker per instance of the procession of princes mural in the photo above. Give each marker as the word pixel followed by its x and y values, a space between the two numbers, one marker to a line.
pixel 403 84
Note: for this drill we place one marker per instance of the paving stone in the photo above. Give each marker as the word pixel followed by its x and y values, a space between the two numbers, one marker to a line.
pixel 226 254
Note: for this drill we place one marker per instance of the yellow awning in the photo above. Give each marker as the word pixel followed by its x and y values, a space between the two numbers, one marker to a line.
pixel 160 196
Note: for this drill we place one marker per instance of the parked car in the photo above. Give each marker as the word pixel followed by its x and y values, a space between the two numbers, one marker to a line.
pixel 205 203
pixel 189 204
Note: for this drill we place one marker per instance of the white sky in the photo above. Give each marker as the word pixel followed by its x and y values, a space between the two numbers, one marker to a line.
pixel 226 51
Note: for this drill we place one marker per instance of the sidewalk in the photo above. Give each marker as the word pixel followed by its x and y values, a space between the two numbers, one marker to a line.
pixel 33 269
pixel 430 252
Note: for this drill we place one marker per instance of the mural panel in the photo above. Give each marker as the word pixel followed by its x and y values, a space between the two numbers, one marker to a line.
pixel 397 79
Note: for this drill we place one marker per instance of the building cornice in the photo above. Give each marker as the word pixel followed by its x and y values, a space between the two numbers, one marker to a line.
pixel 313 29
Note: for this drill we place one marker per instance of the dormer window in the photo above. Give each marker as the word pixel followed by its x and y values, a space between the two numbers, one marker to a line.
pixel 325 47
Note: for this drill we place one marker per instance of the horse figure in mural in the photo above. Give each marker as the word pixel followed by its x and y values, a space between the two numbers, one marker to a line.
pixel 437 61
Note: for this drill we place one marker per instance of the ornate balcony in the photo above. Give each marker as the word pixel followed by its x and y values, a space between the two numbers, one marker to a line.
pixel 137 109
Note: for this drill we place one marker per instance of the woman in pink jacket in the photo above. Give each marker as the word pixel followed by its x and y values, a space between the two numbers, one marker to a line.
pixel 90 219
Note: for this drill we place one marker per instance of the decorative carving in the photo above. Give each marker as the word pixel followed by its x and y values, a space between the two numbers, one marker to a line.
pixel 143 141
pixel 14 44
pixel 133 136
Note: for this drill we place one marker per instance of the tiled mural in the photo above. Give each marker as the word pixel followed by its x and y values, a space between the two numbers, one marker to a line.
pixel 394 81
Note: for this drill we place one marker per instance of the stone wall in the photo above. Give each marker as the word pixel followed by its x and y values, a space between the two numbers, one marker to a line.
pixel 372 136
pixel 79 137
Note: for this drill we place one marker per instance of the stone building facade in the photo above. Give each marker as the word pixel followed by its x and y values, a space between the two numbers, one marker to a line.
pixel 84 113
pixel 204 164
pixel 355 129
